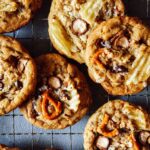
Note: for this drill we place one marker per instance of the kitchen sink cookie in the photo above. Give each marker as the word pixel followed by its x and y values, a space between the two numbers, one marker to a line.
pixel 62 95
pixel 71 21
pixel 16 13
pixel 4 147
pixel 118 55
pixel 17 74
pixel 118 125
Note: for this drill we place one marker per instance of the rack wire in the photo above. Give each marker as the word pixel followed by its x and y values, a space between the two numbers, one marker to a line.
pixel 16 131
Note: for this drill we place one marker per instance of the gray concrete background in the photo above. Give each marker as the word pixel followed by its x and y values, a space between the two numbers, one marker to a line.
pixel 16 131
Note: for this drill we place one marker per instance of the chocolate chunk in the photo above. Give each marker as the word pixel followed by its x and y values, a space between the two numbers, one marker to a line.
pixel 1 86
pixel 101 44
pixel 132 58
pixel 79 26
pixel 19 84
pixel 13 60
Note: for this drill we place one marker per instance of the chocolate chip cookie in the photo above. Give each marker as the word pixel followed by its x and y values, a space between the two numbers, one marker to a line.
pixel 16 13
pixel 118 55
pixel 4 147
pixel 17 74
pixel 118 125
pixel 62 95
pixel 71 21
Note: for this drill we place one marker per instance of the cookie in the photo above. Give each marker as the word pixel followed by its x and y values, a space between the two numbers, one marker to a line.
pixel 15 13
pixel 62 95
pixel 4 147
pixel 118 125
pixel 17 74
pixel 70 23
pixel 118 55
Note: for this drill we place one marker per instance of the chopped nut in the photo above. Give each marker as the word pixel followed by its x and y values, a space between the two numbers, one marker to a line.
pixel 79 26
pixel 143 137
pixel 21 65
pixel 102 143
pixel 13 60
pixel 54 82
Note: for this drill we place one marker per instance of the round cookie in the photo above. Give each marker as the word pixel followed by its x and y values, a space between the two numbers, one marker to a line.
pixel 17 74
pixel 62 95
pixel 118 125
pixel 118 55
pixel 16 13
pixel 71 21
pixel 4 147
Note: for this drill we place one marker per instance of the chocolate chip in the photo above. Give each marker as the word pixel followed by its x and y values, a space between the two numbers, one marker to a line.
pixel 13 61
pixel 1 86
pixel 132 58
pixel 99 44
pixel 19 84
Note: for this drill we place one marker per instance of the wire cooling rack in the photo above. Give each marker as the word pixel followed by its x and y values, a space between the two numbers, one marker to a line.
pixel 16 131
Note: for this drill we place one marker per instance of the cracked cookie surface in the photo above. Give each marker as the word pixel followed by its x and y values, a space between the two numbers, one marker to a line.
pixel 118 125
pixel 118 55
pixel 62 95
pixel 16 13
pixel 71 21
pixel 17 74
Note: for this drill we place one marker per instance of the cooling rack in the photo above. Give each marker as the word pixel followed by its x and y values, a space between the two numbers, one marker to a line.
pixel 16 131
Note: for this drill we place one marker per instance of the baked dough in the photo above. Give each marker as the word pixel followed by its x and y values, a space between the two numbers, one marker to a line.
pixel 4 147
pixel 118 55
pixel 62 95
pixel 118 125
pixel 17 74
pixel 71 21
pixel 16 13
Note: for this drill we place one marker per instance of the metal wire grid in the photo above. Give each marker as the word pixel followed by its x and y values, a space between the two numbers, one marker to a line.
pixel 16 131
